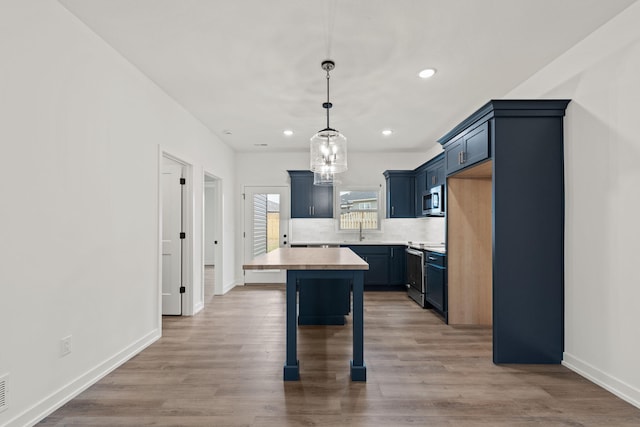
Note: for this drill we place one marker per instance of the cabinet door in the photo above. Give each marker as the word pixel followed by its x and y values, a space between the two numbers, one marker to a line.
pixel 322 203
pixel 431 177
pixel 308 200
pixel 453 156
pixel 400 197
pixel 435 286
pixel 420 186
pixel 440 174
pixel 435 175
pixel 397 265
pixel 470 148
pixel 476 145
pixel 378 273
pixel 378 259
pixel 301 196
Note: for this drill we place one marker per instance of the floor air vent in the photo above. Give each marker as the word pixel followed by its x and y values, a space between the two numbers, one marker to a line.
pixel 3 392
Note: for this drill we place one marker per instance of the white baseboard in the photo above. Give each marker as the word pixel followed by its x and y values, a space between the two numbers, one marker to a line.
pixel 55 400
pixel 610 383
pixel 226 288
pixel 198 307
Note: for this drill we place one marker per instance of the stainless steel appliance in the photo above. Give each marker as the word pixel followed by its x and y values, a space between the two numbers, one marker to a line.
pixel 433 201
pixel 415 275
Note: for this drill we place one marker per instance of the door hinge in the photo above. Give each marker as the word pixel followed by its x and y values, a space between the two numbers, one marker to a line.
pixel 244 234
pixel 183 235
pixel 243 196
pixel 182 289
pixel 183 181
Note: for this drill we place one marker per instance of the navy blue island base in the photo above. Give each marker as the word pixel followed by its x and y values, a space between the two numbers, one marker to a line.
pixel 296 279
pixel 323 276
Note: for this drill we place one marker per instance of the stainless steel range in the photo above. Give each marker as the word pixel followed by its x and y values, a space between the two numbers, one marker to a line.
pixel 416 277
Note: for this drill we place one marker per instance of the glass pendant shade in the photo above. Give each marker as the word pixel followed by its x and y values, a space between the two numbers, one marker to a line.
pixel 326 179
pixel 328 152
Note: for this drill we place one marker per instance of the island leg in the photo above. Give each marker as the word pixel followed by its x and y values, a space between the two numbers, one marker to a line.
pixel 358 368
pixel 292 366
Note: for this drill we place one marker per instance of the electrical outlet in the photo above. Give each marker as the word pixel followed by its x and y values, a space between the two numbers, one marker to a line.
pixel 65 346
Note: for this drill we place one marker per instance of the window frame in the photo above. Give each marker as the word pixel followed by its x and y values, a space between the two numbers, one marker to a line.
pixel 360 188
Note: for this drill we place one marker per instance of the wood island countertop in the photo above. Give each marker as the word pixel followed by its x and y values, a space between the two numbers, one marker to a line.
pixel 308 259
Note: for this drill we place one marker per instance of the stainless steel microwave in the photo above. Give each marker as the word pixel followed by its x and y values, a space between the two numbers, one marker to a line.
pixel 433 201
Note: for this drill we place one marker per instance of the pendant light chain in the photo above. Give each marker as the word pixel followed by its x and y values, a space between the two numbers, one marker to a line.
pixel 328 105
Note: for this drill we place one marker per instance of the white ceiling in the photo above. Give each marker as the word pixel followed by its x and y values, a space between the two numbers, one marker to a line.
pixel 252 67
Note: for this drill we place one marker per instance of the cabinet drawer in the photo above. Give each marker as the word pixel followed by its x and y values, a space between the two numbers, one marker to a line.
pixel 436 258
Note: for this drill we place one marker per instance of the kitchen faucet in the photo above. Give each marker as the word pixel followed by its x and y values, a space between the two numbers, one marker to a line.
pixel 361 236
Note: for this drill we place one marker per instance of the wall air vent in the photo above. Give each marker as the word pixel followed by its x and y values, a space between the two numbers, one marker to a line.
pixel 3 392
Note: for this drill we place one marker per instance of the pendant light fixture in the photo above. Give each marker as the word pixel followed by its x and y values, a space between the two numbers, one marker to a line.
pixel 325 179
pixel 328 146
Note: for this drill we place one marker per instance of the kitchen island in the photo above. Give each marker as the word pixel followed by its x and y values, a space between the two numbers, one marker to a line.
pixel 305 266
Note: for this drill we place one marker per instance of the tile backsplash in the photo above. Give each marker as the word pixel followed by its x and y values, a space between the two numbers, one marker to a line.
pixel 394 230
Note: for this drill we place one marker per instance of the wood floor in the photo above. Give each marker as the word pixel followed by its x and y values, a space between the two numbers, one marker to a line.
pixel 223 367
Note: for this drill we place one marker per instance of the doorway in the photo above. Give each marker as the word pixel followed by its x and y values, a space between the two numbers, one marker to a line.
pixel 266 227
pixel 211 239
pixel 175 192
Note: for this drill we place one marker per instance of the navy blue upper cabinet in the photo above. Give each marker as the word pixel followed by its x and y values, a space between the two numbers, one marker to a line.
pixel 427 176
pixel 308 200
pixel 400 194
pixel 467 148
pixel 436 174
pixel 420 188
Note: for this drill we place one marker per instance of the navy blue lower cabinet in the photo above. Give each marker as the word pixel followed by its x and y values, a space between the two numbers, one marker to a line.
pixel 387 266
pixel 323 301
pixel 436 289
pixel 398 266
pixel 378 259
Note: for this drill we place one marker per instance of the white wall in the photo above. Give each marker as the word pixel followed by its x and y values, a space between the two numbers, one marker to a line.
pixel 81 136
pixel 365 169
pixel 602 178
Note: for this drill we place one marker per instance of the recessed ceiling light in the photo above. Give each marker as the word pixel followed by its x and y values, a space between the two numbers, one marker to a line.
pixel 288 132
pixel 426 73
pixel 387 132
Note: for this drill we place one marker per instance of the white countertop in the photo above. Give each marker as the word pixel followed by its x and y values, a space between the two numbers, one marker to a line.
pixel 433 247
pixel 356 242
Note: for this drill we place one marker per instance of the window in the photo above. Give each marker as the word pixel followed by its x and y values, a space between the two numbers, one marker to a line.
pixel 359 208
pixel 266 223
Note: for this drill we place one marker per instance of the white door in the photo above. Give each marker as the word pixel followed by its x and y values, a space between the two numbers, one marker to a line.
pixel 266 227
pixel 171 242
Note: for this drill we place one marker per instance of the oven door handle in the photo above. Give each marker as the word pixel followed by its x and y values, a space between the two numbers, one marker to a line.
pixel 415 252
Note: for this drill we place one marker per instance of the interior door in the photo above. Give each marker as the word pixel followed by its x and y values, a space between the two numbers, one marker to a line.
pixel 171 242
pixel 266 227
